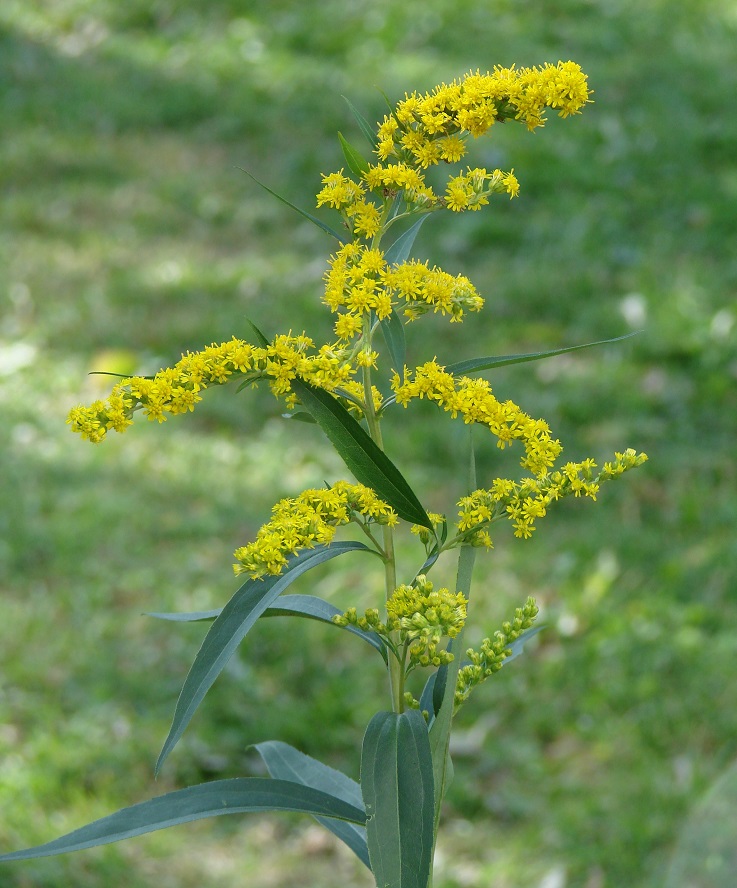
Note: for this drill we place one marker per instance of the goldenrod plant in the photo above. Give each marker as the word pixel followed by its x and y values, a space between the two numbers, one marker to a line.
pixel 372 286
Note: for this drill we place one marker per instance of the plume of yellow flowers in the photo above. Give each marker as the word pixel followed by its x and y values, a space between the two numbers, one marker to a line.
pixel 363 288
pixel 306 521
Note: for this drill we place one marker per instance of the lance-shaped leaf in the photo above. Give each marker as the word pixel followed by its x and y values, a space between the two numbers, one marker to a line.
pixel 231 627
pixel 370 465
pixel 315 608
pixel 260 337
pixel 397 786
pixel 363 124
pixel 309 606
pixel 355 160
pixel 474 365
pixel 315 221
pixel 393 330
pixel 236 796
pixel 399 251
pixel 284 762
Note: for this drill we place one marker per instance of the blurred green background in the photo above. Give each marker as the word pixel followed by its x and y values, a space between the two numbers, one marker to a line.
pixel 128 234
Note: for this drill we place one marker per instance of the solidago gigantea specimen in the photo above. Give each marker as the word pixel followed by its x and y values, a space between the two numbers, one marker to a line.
pixel 373 288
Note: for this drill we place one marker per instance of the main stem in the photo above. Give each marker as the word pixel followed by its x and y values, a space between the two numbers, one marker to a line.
pixel 390 565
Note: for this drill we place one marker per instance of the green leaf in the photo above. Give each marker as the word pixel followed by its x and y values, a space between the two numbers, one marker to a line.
pixel 517 647
pixel 231 627
pixel 315 221
pixel 236 796
pixel 356 162
pixel 284 762
pixel 315 608
pixel 473 365
pixel 299 416
pixel 370 465
pixel 399 251
pixel 309 606
pixel 397 786
pixel 187 617
pixel 393 330
pixel 260 338
pixel 363 124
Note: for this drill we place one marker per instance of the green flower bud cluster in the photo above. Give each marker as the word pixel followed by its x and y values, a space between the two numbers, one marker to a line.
pixel 423 617
pixel 420 616
pixel 493 652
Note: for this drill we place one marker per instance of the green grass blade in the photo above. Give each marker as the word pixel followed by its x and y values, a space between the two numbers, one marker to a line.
pixel 315 221
pixel 236 796
pixel 284 762
pixel 232 626
pixel 370 465
pixel 365 127
pixel 397 786
pixel 357 163
pixel 473 365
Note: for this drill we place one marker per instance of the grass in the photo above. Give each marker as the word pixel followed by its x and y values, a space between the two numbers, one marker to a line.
pixel 128 234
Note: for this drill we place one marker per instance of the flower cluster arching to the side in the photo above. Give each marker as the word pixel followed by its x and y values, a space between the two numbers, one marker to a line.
pixel 175 390
pixel 474 400
pixel 308 520
pixel 524 502
pixel 426 129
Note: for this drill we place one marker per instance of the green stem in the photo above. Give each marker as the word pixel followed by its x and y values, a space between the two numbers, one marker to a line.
pixel 390 566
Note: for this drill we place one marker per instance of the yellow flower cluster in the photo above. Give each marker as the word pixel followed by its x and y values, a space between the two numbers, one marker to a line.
pixel 490 658
pixel 523 503
pixel 471 190
pixel 425 129
pixel 306 521
pixel 177 389
pixel 474 400
pixel 421 616
pixel 359 281
pixel 342 193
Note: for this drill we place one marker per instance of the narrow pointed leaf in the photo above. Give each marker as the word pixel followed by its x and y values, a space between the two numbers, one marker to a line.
pixel 363 124
pixel 188 616
pixel 399 251
pixel 300 416
pixel 426 698
pixel 393 330
pixel 356 162
pixel 315 221
pixel 370 465
pixel 309 606
pixel 517 647
pixel 315 608
pixel 284 762
pixel 236 796
pixel 231 627
pixel 397 787
pixel 260 338
pixel 474 365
